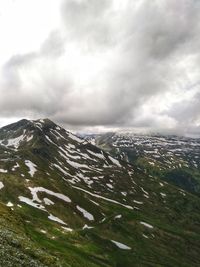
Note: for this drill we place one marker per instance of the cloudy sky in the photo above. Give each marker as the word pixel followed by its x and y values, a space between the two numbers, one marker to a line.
pixel 102 64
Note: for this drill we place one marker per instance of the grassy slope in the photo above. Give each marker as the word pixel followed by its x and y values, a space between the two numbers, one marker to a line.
pixel 17 249
pixel 173 241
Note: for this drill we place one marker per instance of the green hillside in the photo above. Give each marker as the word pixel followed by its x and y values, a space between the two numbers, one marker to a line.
pixel 66 202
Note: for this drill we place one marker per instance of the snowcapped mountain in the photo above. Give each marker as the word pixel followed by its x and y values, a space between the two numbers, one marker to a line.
pixel 175 159
pixel 66 202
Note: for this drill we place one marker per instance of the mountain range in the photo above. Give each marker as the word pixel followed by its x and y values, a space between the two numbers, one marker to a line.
pixel 65 201
pixel 174 159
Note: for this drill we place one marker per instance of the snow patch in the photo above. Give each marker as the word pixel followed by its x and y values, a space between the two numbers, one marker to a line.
pixel 75 138
pixel 3 171
pixel 118 216
pixel 1 185
pixel 15 166
pixel 14 142
pixel 67 229
pixel 9 204
pixel 55 219
pixel 146 224
pixel 35 190
pixel 87 227
pixel 104 198
pixel 85 213
pixel 120 245
pixel 98 155
pixel 77 165
pixel 138 202
pixel 30 202
pixel 115 161
pixel 48 201
pixel 110 186
pixel 61 169
pixel 31 167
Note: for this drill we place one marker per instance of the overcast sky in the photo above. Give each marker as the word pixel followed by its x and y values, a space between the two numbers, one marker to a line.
pixel 102 64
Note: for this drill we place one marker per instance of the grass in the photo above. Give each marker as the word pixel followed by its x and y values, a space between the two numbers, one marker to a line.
pixel 173 241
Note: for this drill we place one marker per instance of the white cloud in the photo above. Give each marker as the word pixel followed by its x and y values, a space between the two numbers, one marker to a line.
pixel 91 63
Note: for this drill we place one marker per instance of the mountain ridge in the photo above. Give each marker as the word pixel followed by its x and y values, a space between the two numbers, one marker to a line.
pixel 87 208
pixel 173 158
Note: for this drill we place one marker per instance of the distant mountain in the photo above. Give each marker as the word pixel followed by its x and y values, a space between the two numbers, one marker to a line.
pixel 66 202
pixel 174 159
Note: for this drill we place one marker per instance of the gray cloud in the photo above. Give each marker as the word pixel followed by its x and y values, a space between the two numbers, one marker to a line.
pixel 88 22
pixel 54 45
pixel 31 85
pixel 146 47
pixel 187 112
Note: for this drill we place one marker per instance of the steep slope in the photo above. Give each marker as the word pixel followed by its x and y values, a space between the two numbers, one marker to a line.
pixel 172 158
pixel 16 248
pixel 85 208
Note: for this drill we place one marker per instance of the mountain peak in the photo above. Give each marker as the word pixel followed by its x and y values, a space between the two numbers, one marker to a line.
pixel 33 133
pixel 25 132
pixel 44 121
pixel 25 124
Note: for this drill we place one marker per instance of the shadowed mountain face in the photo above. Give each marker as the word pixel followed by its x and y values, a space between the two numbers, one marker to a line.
pixel 66 202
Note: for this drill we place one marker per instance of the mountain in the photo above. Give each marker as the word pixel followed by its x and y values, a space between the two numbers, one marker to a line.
pixel 175 159
pixel 65 202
